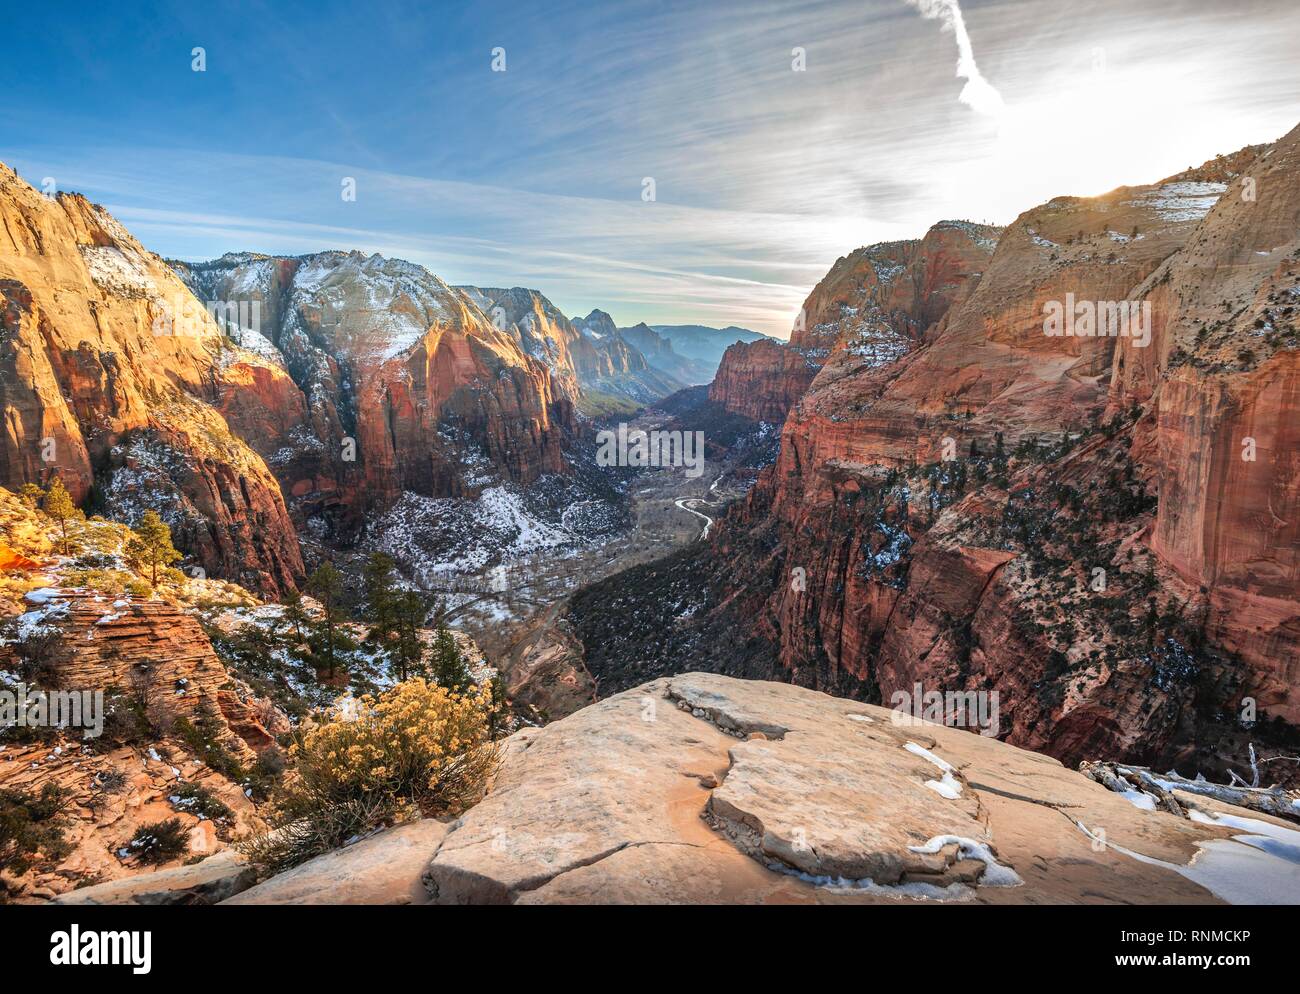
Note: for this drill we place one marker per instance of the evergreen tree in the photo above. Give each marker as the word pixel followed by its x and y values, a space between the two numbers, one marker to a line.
pixel 152 544
pixel 295 615
pixel 58 505
pixel 381 596
pixel 326 585
pixel 31 495
pixel 448 665
pixel 498 690
pixel 410 608
pixel 395 616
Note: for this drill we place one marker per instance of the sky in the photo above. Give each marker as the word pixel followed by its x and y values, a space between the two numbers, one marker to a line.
pixel 905 112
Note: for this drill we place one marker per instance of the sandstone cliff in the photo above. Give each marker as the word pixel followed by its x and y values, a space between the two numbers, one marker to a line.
pixel 873 306
pixel 114 379
pixel 1065 456
pixel 406 384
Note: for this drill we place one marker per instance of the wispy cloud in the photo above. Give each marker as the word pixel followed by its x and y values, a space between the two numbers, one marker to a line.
pixel 978 93
pixel 765 175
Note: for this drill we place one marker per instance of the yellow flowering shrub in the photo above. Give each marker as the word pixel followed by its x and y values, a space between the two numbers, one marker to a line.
pixel 416 747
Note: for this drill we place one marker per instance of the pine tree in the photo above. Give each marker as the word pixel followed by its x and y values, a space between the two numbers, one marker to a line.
pixel 152 544
pixel 58 505
pixel 326 585
pixel 395 616
pixel 410 608
pixel 295 615
pixel 31 495
pixel 449 668
pixel 498 690
pixel 381 595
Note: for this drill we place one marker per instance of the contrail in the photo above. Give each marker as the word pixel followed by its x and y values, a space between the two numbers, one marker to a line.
pixel 978 93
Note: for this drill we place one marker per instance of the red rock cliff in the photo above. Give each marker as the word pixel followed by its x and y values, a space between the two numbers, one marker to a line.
pixel 109 373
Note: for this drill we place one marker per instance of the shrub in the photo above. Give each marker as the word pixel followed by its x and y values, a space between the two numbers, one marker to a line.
pixel 104 785
pixel 139 588
pixel 124 720
pixel 31 825
pixel 203 736
pixel 159 842
pixel 417 747
pixel 265 774
pixel 197 800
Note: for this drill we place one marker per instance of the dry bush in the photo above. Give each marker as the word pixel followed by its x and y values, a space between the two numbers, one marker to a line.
pixel 416 748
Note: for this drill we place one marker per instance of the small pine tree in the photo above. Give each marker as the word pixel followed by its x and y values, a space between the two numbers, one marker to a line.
pixel 152 544
pixel 58 505
pixel 381 596
pixel 295 615
pixel 31 495
pixel 326 585
pixel 410 608
pixel 448 664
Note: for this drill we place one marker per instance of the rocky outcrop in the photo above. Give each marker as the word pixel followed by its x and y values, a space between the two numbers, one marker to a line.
pixel 872 308
pixel 383 869
pixel 704 789
pixel 151 652
pixel 108 364
pixel 762 380
pixel 1222 379
pixel 208 881
pixel 114 791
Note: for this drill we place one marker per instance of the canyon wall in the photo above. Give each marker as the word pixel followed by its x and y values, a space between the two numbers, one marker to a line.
pixel 954 477
pixel 108 382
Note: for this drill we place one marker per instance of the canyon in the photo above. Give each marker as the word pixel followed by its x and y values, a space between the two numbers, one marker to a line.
pixel 925 487
pixel 964 501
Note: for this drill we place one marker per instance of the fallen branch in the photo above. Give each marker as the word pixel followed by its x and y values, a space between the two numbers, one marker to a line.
pixel 1120 777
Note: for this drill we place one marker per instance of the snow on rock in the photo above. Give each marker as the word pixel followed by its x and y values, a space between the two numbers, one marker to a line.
pixel 949 786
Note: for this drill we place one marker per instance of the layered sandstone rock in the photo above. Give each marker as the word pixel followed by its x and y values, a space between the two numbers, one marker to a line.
pixel 1223 380
pixel 704 789
pixel 113 792
pixel 107 362
pixel 150 651
pixel 873 307
pixel 168 707
pixel 761 380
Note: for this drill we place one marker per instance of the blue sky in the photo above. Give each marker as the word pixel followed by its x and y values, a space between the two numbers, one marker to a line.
pixel 533 176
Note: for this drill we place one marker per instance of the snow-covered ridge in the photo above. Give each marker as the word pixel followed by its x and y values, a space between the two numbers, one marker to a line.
pixel 1186 201
pixel 384 307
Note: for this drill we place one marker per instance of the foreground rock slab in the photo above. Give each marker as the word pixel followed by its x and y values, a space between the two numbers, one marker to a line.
pixel 383 869
pixel 207 882
pixel 705 789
